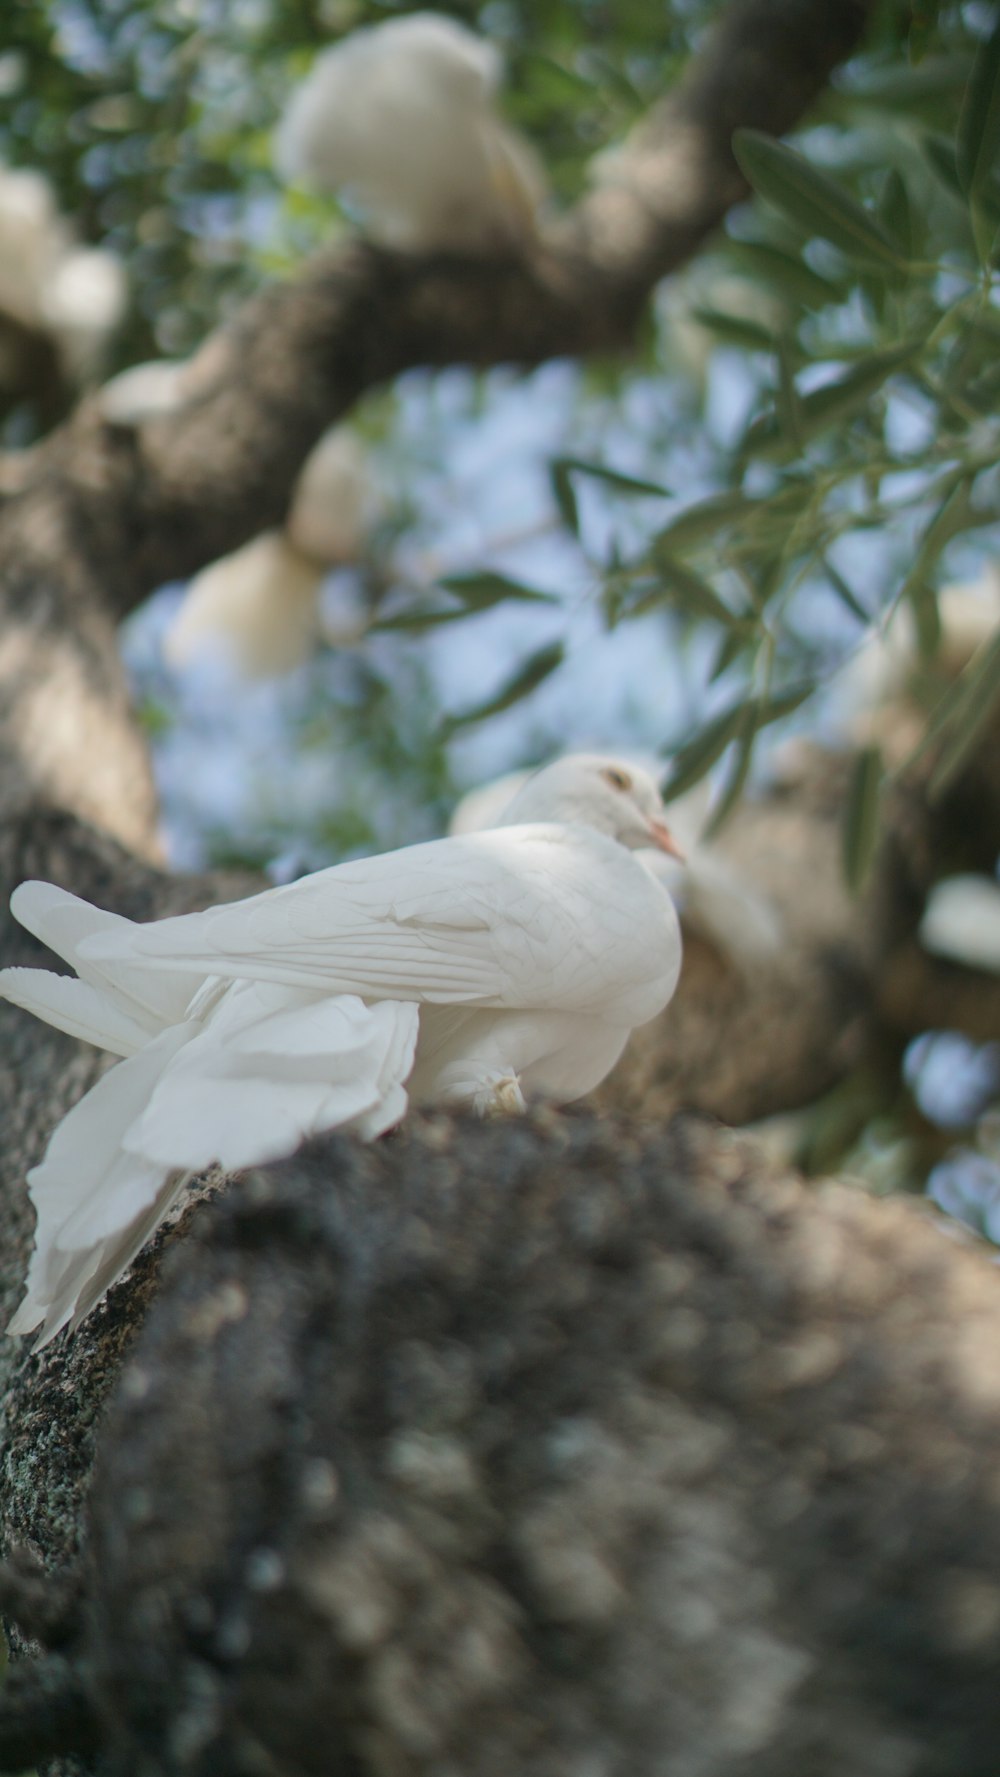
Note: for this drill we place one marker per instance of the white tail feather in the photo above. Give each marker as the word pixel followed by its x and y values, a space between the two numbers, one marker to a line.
pixel 263 1072
pixel 64 923
pixel 75 1007
pixel 88 1193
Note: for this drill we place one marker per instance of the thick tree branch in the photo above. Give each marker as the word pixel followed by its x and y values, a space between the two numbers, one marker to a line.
pixel 544 1441
pixel 201 481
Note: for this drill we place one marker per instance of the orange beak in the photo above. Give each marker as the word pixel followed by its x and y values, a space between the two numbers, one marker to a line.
pixel 664 840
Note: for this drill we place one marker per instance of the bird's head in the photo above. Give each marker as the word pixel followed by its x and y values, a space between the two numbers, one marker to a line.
pixel 611 795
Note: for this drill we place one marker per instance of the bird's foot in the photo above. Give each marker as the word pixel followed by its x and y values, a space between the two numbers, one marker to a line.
pixel 500 1097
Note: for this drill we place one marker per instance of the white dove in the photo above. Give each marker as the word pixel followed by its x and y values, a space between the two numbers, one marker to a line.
pixel 260 606
pixel 458 970
pixel 401 116
pixel 740 922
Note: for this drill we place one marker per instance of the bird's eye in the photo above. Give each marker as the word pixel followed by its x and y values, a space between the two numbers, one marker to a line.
pixel 619 780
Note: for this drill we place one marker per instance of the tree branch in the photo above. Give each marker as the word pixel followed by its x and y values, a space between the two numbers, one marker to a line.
pixel 534 1440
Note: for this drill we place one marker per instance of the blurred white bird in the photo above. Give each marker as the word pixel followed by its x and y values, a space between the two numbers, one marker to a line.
pixel 83 303
pixel 332 500
pixel 31 241
pixel 260 605
pixel 879 691
pixel 742 924
pixel 77 294
pixel 962 921
pixel 461 970
pixel 144 390
pixel 401 117
pixel 256 608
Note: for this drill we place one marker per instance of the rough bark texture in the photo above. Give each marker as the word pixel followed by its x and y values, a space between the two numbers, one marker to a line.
pixel 561 1447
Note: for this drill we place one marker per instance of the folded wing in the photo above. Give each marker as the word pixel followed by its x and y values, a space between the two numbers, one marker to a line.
pixel 519 917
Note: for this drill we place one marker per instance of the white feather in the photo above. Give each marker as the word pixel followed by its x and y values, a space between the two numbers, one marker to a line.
pixel 75 1007
pixel 464 967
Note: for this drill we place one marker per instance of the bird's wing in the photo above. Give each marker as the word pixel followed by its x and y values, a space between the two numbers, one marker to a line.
pixel 540 915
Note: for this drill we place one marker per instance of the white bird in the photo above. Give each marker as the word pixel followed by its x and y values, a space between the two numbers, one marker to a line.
pixel 144 391
pixel 460 971
pixel 31 242
pixel 741 924
pixel 84 304
pixel 401 117
pixel 260 606
pixel 962 921
pixel 882 691
pixel 77 294
pixel 257 608
pixel 333 499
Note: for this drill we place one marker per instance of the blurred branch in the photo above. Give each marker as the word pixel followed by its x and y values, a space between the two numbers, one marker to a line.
pixel 847 986
pixel 112 511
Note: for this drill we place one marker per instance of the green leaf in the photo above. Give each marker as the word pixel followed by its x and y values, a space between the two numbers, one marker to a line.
pixel 687 591
pixel 690 762
pixel 978 137
pixel 984 392
pixel 984 227
pixel 894 212
pixel 735 330
pixel 564 495
pixel 788 407
pixel 479 591
pixel 921 32
pixel 555 81
pixel 861 817
pixel 791 276
pixel 737 774
pixel 844 593
pixel 954 515
pixel 923 602
pixel 743 637
pixel 419 617
pixel 625 484
pixel 834 400
pixel 895 83
pixel 939 152
pixel 817 203
pixel 529 675
pixel 783 703
pixel 705 518
pixel 966 712
pixel 629 594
